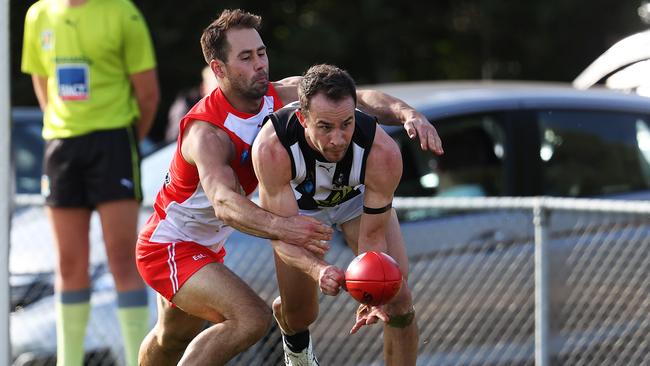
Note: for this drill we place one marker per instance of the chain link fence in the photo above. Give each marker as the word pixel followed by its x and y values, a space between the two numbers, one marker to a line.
pixel 496 281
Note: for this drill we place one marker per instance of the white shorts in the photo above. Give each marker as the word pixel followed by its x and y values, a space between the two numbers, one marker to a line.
pixel 340 214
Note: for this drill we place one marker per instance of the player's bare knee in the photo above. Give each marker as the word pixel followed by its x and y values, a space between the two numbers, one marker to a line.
pixel 256 323
pixel 277 314
pixel 262 330
pixel 265 321
pixel 277 305
pixel 255 315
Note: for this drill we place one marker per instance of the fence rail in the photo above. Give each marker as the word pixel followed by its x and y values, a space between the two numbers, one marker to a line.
pixel 496 281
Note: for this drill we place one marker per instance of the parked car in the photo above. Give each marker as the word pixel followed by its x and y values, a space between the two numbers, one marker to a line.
pixel 526 139
pixel 500 139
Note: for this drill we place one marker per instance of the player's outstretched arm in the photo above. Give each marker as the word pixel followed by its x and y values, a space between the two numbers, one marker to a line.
pixel 210 149
pixel 388 109
pixel 393 111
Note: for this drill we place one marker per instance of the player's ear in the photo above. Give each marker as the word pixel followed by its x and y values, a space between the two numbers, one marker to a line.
pixel 301 118
pixel 218 68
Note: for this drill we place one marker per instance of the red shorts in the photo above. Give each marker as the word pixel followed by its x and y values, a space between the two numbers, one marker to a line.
pixel 166 266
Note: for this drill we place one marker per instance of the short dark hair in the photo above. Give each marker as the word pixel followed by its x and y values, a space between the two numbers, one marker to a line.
pixel 213 39
pixel 330 80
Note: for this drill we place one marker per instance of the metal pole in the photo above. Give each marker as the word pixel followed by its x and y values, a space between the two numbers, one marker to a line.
pixel 540 220
pixel 5 183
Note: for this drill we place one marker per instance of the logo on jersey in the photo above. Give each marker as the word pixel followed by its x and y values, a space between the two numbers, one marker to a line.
pixel 73 81
pixel 338 183
pixel 306 187
pixel 328 168
pixel 47 40
pixel 168 179
pixel 244 157
pixel 338 196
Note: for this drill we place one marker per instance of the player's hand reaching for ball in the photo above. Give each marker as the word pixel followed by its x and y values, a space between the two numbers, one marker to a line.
pixel 367 315
pixel 306 232
pixel 330 280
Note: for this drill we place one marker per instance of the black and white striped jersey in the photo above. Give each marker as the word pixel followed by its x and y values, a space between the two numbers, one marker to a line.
pixel 316 182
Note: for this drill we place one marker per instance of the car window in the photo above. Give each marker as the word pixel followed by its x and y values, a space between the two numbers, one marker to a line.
pixel 472 164
pixel 27 152
pixel 593 153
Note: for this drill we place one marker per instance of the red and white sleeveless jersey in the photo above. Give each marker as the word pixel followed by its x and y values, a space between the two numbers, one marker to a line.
pixel 182 212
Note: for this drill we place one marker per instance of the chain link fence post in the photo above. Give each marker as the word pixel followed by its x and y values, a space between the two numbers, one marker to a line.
pixel 5 183
pixel 540 221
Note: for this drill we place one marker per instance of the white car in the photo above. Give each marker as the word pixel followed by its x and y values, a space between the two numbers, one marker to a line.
pixel 625 66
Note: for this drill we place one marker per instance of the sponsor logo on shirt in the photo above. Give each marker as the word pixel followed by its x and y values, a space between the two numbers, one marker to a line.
pixel 328 168
pixel 73 82
pixel 338 182
pixel 306 187
pixel 47 39
pixel 338 196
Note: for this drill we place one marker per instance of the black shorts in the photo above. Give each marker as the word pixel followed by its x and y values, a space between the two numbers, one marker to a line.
pixel 87 170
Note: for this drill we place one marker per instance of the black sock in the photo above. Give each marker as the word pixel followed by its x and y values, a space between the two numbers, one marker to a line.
pixel 298 341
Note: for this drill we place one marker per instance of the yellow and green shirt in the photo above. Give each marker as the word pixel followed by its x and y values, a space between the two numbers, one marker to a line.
pixel 87 53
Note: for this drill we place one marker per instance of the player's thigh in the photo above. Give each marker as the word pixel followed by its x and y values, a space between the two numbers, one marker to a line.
pixel 297 289
pixel 216 294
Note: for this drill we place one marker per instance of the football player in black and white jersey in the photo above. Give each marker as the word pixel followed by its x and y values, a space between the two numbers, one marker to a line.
pixel 323 158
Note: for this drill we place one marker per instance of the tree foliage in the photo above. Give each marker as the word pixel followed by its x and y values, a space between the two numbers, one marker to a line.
pixel 384 41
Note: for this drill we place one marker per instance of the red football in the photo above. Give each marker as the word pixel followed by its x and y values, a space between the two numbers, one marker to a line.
pixel 373 278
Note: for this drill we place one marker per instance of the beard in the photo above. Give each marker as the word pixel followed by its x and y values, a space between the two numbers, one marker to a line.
pixel 256 91
pixel 251 90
